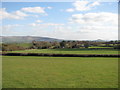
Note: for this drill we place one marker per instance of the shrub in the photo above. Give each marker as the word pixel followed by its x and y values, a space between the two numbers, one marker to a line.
pixel 11 47
pixel 117 47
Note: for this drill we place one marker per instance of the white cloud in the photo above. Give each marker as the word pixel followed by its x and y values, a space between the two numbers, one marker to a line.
pixel 53 24
pixel 95 4
pixel 49 7
pixel 102 18
pixel 33 9
pixel 9 26
pixel 9 29
pixel 14 15
pixel 80 33
pixel 21 14
pixel 83 6
pixel 67 31
pixel 3 13
pixel 70 10
pixel 39 21
pixel 102 25
pixel 46 24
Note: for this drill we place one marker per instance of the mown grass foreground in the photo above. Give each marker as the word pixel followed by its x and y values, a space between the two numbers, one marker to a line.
pixel 59 72
pixel 69 51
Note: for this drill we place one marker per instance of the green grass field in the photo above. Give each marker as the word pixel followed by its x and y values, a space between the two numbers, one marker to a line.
pixel 70 51
pixel 100 47
pixel 59 72
pixel 25 45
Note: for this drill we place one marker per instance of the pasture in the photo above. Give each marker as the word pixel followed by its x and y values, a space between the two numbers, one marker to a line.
pixel 59 72
pixel 70 51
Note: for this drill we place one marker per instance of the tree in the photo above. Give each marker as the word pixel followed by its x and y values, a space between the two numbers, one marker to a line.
pixel 86 45
pixel 63 44
pixel 55 44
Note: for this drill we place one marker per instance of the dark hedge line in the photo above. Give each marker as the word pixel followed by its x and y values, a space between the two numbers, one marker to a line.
pixel 61 55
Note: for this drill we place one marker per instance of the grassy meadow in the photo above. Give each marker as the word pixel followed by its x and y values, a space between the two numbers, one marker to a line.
pixel 59 72
pixel 69 51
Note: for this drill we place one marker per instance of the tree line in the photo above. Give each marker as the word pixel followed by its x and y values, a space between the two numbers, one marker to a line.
pixel 62 44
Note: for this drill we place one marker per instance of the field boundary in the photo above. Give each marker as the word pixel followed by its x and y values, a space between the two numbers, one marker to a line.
pixel 60 55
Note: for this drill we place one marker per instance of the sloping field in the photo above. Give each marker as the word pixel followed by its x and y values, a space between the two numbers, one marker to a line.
pixel 70 51
pixel 59 72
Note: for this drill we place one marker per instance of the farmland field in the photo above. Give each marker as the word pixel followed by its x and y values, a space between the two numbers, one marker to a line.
pixel 70 51
pixel 59 72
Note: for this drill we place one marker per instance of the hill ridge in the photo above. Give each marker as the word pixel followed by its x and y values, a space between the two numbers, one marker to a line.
pixel 25 39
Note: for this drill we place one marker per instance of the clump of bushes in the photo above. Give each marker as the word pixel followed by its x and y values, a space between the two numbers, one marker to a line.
pixel 117 47
pixel 11 47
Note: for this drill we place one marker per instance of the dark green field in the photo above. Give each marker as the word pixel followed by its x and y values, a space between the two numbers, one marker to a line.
pixel 59 72
pixel 70 51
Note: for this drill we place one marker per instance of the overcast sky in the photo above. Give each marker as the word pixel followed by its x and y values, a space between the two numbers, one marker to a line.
pixel 79 20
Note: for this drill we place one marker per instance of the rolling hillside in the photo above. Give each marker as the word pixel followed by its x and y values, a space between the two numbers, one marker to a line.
pixel 25 39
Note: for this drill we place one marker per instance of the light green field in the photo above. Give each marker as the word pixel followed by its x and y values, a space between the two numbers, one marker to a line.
pixel 25 45
pixel 100 47
pixel 70 51
pixel 59 72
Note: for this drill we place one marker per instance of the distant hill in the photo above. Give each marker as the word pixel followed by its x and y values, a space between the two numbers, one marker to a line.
pixel 25 39
pixel 29 39
pixel 99 40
